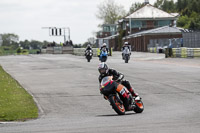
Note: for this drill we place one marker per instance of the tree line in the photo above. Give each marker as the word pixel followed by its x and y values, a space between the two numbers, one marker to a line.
pixel 11 40
pixel 189 11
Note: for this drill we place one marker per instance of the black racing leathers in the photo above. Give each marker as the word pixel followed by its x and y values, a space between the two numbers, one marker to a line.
pixel 111 72
pixel 127 47
pixel 116 75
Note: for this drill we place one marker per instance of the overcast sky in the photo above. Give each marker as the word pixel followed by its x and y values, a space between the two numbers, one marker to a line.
pixel 27 17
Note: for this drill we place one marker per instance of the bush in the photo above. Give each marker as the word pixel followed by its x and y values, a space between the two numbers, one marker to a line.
pixel 19 50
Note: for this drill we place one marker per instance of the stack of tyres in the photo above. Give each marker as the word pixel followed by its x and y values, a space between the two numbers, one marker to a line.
pixel 178 52
pixel 174 52
pixel 184 52
pixel 190 52
pixel 197 52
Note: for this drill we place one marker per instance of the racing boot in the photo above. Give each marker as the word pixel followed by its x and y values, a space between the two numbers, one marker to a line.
pixel 131 103
pixel 133 93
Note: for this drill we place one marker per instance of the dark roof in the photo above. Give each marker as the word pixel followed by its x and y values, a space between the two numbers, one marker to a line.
pixel 156 31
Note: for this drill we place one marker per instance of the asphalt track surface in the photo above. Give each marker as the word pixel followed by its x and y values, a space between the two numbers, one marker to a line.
pixel 65 88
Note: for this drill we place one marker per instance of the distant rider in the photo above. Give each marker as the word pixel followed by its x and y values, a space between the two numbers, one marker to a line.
pixel 126 45
pixel 105 71
pixel 88 48
pixel 104 47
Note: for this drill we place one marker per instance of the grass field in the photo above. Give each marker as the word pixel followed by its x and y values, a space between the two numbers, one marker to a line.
pixel 15 103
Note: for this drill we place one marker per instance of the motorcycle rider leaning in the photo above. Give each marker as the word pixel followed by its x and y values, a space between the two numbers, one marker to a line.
pixel 105 71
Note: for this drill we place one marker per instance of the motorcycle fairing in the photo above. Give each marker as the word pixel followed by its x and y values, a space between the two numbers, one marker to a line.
pixel 123 91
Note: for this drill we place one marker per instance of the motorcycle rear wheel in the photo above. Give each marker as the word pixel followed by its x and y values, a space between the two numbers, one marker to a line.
pixel 117 106
pixel 103 59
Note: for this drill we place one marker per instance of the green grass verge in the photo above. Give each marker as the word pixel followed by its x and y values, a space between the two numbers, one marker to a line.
pixel 15 103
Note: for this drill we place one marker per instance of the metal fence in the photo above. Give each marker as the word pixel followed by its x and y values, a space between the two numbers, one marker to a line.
pixel 163 43
pixel 191 39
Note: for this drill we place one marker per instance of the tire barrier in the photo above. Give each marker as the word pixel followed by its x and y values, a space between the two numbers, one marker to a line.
pixel 197 52
pixel 190 52
pixel 152 50
pixel 182 52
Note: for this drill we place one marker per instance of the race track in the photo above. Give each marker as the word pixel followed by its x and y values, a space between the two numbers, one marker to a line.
pixel 65 88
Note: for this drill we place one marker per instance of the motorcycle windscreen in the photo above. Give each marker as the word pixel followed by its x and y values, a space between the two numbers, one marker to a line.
pixel 106 80
pixel 108 86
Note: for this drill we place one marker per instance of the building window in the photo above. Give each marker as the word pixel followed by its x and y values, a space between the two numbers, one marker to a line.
pixel 144 24
pixel 136 24
pixel 112 29
pixel 106 29
pixel 161 23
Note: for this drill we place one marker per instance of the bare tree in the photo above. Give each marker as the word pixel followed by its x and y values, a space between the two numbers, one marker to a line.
pixel 92 40
pixel 110 12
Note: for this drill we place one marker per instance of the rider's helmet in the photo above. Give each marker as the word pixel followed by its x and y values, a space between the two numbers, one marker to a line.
pixel 126 43
pixel 103 68
pixel 104 45
pixel 88 46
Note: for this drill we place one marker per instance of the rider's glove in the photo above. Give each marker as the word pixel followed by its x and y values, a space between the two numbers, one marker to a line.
pixel 120 77
pixel 105 97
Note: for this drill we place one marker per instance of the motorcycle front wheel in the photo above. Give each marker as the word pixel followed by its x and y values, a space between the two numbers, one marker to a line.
pixel 139 107
pixel 117 106
pixel 126 59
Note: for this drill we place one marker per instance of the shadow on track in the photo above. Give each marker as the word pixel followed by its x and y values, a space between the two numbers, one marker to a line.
pixel 110 115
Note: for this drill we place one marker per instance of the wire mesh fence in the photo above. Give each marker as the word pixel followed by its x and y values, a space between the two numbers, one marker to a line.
pixel 191 39
pixel 163 43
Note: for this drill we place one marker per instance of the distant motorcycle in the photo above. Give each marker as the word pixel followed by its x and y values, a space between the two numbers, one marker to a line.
pixel 103 55
pixel 88 55
pixel 119 97
pixel 126 54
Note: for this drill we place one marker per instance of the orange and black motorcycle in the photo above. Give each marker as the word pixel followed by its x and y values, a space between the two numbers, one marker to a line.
pixel 119 97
